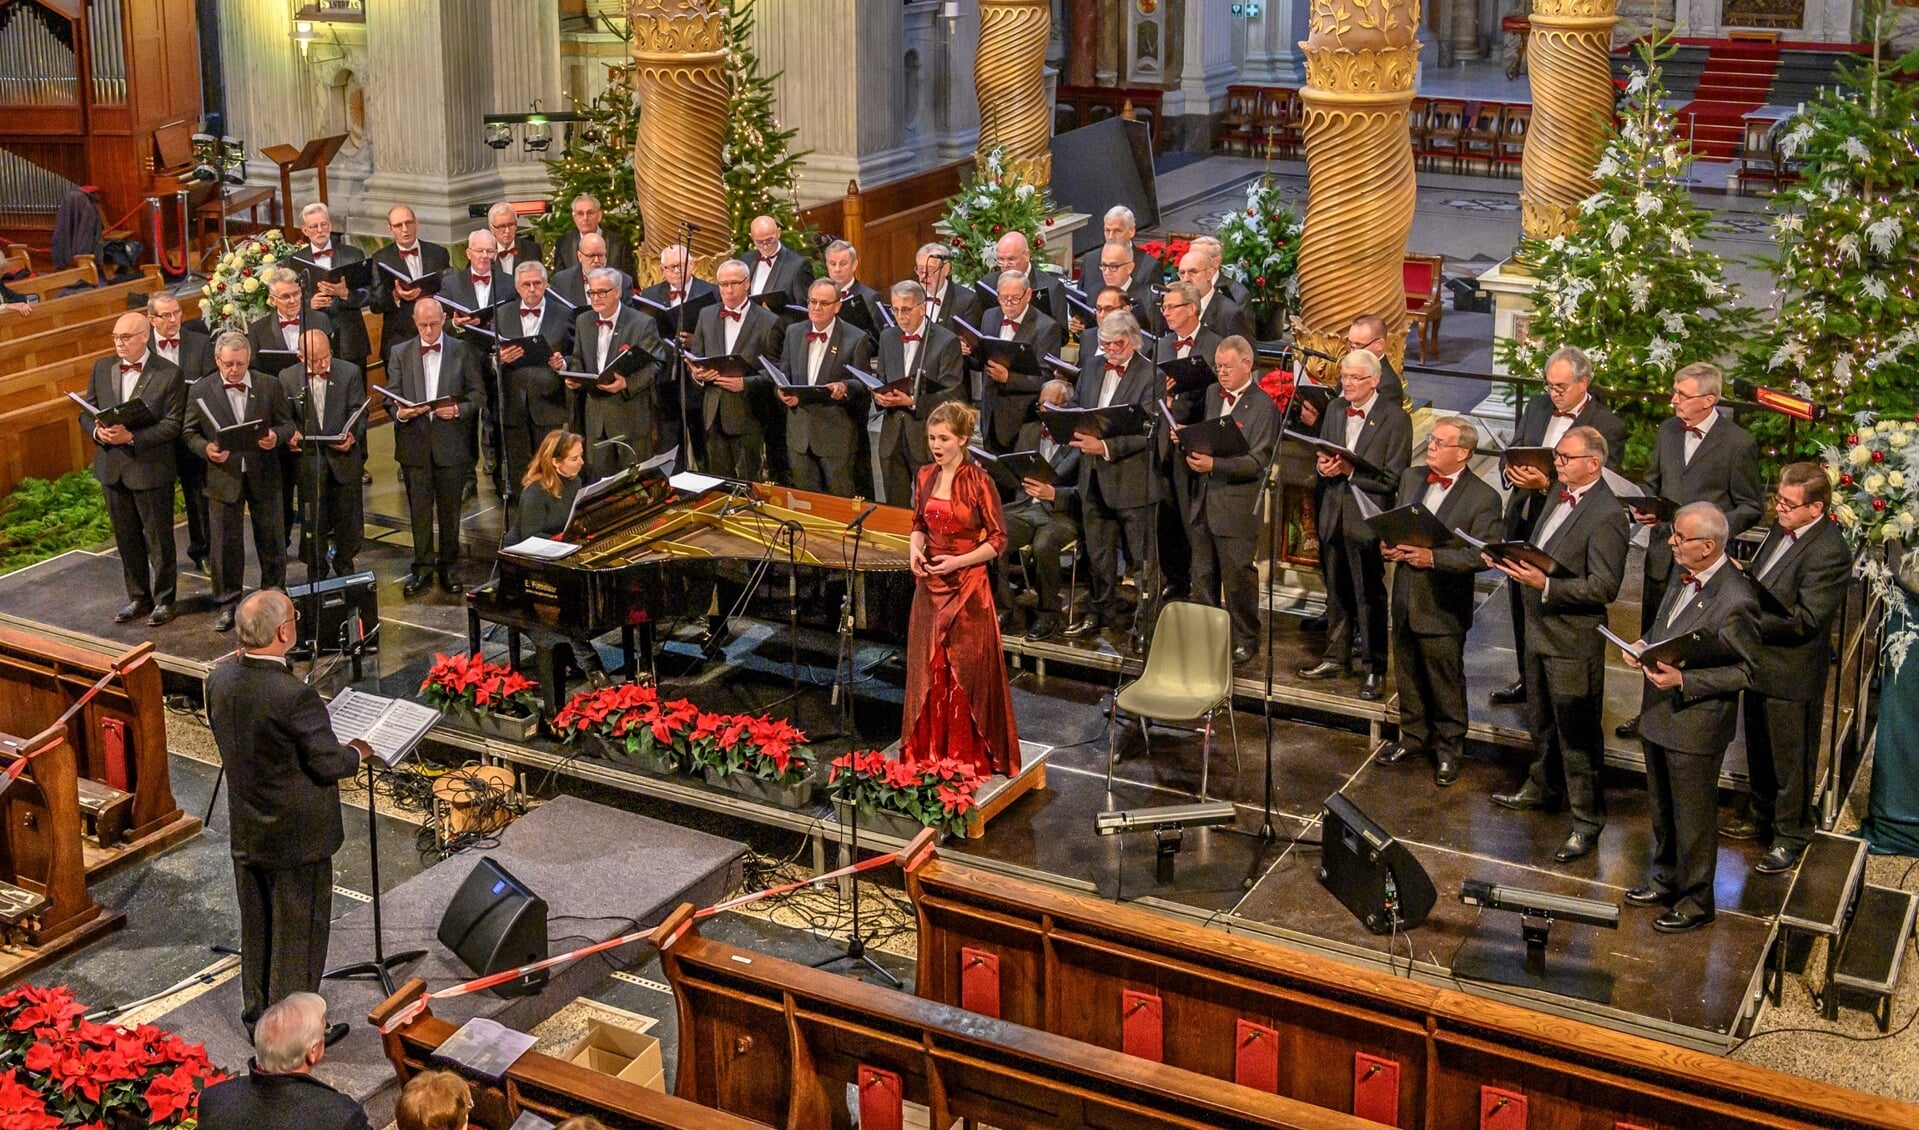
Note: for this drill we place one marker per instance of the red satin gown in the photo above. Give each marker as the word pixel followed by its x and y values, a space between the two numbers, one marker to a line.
pixel 957 701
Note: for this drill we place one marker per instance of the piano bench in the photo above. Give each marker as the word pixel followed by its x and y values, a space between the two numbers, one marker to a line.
pixel 105 812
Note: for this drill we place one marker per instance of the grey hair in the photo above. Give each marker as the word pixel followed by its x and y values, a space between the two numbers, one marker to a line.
pixel 1118 324
pixel 1214 249
pixel 933 249
pixel 585 196
pixel 1468 431
pixel 1185 290
pixel 280 275
pixel 493 212
pixel 1019 277
pixel 1710 519
pixel 839 245
pixel 288 1031
pixel 1123 214
pixel 607 275
pixel 733 264
pixel 686 254
pixel 1594 440
pixel 529 267
pixel 1232 343
pixel 260 616
pixel 1363 358
pixel 1122 245
pixel 483 233
pixel 1574 356
pixel 230 340
pixel 909 288
pixel 1705 374
pixel 307 212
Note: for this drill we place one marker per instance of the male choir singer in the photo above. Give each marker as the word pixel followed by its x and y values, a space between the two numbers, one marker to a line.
pixel 928 358
pixel 615 415
pixel 821 440
pixel 1117 487
pixel 776 268
pixel 732 418
pixel 412 259
pixel 245 480
pixel 1007 395
pixel 535 397
pixel 326 392
pixel 136 466
pixel 433 441
pixel 192 351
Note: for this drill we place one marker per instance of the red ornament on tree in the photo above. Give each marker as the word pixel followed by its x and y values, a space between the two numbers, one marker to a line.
pixel 997 229
pixel 1260 281
pixel 1049 221
pixel 1878 504
pixel 1845 480
pixel 1878 457
pixel 1851 440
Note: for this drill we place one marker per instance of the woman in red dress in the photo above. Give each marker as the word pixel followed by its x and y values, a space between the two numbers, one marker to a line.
pixel 957 702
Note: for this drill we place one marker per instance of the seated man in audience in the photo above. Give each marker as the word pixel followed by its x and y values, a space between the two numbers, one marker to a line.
pixel 279 1090
pixel 1045 515
pixel 433 1100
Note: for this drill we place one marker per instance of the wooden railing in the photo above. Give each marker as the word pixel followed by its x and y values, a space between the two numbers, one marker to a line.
pixel 889 222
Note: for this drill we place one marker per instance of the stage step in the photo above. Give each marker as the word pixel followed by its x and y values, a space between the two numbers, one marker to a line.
pixel 1873 949
pixel 105 812
pixel 1822 896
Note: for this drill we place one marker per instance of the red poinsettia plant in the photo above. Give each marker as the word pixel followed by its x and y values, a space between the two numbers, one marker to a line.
pixel 937 793
pixel 1278 384
pixel 468 684
pixel 630 715
pixel 58 1069
pixel 1169 253
pixel 764 748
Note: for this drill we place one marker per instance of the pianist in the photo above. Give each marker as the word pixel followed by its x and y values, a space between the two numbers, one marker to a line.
pixel 546 498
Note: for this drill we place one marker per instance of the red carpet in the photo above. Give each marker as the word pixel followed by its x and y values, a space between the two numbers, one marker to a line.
pixel 1735 81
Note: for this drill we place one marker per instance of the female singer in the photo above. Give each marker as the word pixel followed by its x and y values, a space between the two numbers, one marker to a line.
pixel 957 702
pixel 546 499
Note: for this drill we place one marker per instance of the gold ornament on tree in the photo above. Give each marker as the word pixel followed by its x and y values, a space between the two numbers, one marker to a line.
pixel 1568 57
pixel 679 72
pixel 1009 74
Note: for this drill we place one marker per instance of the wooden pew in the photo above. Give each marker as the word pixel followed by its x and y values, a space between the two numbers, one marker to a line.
pixel 79 337
pixel 45 286
pixel 41 855
pixel 39 427
pixel 782 1043
pixel 1350 1037
pixel 551 1088
pixel 53 312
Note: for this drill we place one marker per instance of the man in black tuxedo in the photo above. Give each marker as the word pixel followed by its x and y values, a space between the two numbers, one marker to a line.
pixel 433 442
pixel 1184 337
pixel 570 284
pixel 1567 403
pixel 1007 398
pixel 244 482
pixel 1048 288
pixel 1805 567
pixel 620 409
pixel 480 286
pixel 279 1092
pixel 325 393
pixel 822 439
pixel 1368 332
pixel 842 266
pixel 1118 484
pixel 1377 430
pixel 586 221
pixel 1433 600
pixel 536 400
pixel 1115 267
pixel 283 804
pixel 928 358
pixel 392 299
pixel 734 410
pixel 677 283
pixel 1698 456
pixel 191 351
pixel 1220 495
pixel 1215 253
pixel 945 299
pixel 1687 717
pixel 1217 312
pixel 1584 530
pixel 1117 226
pixel 1043 514
pixel 677 286
pixel 776 267
pixel 136 466
pixel 516 246
pixel 336 300
pixel 280 328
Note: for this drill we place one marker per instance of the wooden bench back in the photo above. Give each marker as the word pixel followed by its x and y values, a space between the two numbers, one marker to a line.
pixel 53 312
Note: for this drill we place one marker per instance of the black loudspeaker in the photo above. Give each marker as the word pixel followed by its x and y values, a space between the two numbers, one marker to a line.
pixel 495 922
pixel 342 601
pixel 1371 872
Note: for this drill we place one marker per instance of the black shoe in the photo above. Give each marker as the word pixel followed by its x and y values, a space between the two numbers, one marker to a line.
pixel 1779 860
pixel 1628 729
pixel 1648 896
pixel 1529 798
pixel 133 611
pixel 1042 627
pixel 1680 921
pixel 413 584
pixel 162 614
pixel 224 621
pixel 1325 669
pixel 198 561
pixel 335 1033
pixel 1739 828
pixel 1398 753
pixel 1447 771
pixel 1372 688
pixel 1008 622
pixel 1313 623
pixel 1579 845
pixel 1244 653
pixel 450 586
pixel 1090 626
pixel 1512 694
pixel 471 491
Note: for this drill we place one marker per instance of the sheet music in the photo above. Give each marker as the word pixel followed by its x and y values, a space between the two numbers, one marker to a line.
pixel 485 1047
pixel 394 396
pixel 1626 646
pixel 546 549
pixel 693 483
pixel 345 429
pixel 587 493
pixel 391 726
pixel 1368 509
pixel 1170 421
pixel 1462 535
pixel 82 402
pixel 530 1121
pixel 664 459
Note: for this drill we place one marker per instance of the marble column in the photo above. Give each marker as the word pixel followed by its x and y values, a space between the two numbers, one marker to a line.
pixel 1109 63
pixel 524 57
pixel 1270 39
pixel 1082 22
pixel 679 73
pixel 1572 102
pixel 1009 77
pixel 842 84
pixel 270 106
pixel 1206 69
pixel 1360 60
pixel 1462 33
pixel 955 104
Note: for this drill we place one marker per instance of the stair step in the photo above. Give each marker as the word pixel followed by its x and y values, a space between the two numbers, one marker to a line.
pixel 1874 947
pixel 1825 885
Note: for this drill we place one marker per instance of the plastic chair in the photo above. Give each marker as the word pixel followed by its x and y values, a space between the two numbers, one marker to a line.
pixel 1188 677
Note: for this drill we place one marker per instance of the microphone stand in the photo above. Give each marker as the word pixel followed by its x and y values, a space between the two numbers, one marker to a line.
pixel 677 368
pixel 381 967
pixel 842 695
pixel 855 944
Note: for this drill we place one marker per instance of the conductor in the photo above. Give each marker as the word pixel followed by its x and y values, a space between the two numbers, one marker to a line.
pixel 284 807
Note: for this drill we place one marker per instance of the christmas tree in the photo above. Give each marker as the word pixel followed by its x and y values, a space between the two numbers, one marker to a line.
pixel 756 160
pixel 1847 273
pixel 1630 284
pixel 598 160
pixel 998 199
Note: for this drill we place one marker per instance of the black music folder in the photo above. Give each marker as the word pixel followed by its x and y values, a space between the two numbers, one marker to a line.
pixel 274 361
pixel 133 415
pixel 1017 356
pixel 1688 652
pixel 625 363
pixel 1065 370
pixel 1105 423
pixel 1015 467
pixel 356 275
pixel 1538 458
pixel 668 317
pixel 428 285
pixel 1521 551
pixel 1411 524
pixel 725 364
pixel 1220 437
pixel 1649 505
pixel 1189 374
pixel 1331 448
pixel 438 402
pixel 804 393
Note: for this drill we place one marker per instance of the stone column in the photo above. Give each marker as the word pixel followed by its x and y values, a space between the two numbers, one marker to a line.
pixel 1270 37
pixel 1463 30
pixel 1360 61
pixel 271 107
pixel 955 105
pixel 679 72
pixel 1082 20
pixel 524 57
pixel 1206 70
pixel 1009 76
pixel 1572 102
pixel 1111 35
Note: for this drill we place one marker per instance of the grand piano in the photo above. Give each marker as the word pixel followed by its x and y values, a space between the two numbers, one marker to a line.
pixel 654 549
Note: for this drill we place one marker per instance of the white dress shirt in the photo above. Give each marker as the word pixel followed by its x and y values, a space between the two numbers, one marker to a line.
pixel 1686 597
pixel 1557 518
pixel 1558 425
pixel 1693 441
pixel 730 327
pixel 816 350
pixel 762 270
pixel 1355 425
pixel 430 368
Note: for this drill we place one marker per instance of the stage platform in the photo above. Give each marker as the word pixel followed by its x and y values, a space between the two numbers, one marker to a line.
pixel 602 872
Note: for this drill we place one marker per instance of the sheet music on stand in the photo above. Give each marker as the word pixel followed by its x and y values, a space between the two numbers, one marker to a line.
pixel 392 726
pixel 485 1047
pixel 587 493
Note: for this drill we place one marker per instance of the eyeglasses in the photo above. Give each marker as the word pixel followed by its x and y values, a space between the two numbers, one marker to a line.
pixel 1562 457
pixel 128 337
pixel 1174 305
pixel 1114 266
pixel 1678 538
pixel 599 291
pixel 1434 441
pixel 901 309
pixel 1367 344
pixel 822 303
pixel 1678 396
pixel 1780 505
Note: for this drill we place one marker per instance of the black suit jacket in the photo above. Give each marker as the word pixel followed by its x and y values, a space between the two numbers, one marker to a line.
pixel 1187 406
pixel 570 284
pixel 619 253
pixel 746 411
pixel 265 333
pixel 791 272
pixel 396 317
pixel 1439 601
pixel 148 462
pixel 346 391
pixel 1564 620
pixel 1225 500
pixel 959 302
pixel 1065 463
pixel 1724 471
pixel 526 249
pixel 349 319
pixel 1225 317
pixel 1045 283
pixel 282 763
pixel 249 466
pixel 1091 278
pixel 532 388
pixel 1386 441
pixel 659 292
pixel 938 375
pixel 1523 506
pixel 278 1102
pixel 196 354
pixel 1701 713
pixel 627 413
pixel 1811 582
pixel 457 284
pixel 1005 408
pixel 1126 477
pixel 427 440
pixel 827 430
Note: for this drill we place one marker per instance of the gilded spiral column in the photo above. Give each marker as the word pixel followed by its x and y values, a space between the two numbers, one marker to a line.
pixel 1572 102
pixel 1360 60
pixel 679 74
pixel 1009 74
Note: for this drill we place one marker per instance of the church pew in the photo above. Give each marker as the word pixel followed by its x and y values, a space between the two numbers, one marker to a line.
pixel 80 337
pixel 52 312
pixel 1350 1038
pixel 551 1088
pixel 783 1043
pixel 39 427
pixel 49 283
pixel 42 857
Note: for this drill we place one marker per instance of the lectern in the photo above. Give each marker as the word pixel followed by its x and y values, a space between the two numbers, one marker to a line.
pixel 316 154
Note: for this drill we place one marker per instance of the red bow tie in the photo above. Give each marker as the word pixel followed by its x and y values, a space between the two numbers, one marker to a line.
pixel 674 295
pixel 736 315
pixel 410 252
pixel 169 343
pixel 1566 497
pixel 914 338
pixel 289 323
pixel 1115 367
pixel 1443 480
pixel 1355 412
pixel 129 366
pixel 1791 536
pixel 1695 432
pixel 1231 398
pixel 1010 325
pixel 321 376
pixel 327 254
pixel 1697 582
pixel 606 323
pixel 768 259
pixel 1183 343
pixel 481 280
pixel 235 386
pixel 1565 415
pixel 434 348
pixel 934 302
pixel 816 335
pixel 525 313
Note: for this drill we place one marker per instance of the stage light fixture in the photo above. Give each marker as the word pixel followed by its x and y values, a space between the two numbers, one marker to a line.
pixel 1537 911
pixel 1784 403
pixel 1540 904
pixel 1170 816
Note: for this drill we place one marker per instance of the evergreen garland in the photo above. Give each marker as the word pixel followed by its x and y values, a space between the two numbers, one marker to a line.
pixel 757 162
pixel 1631 285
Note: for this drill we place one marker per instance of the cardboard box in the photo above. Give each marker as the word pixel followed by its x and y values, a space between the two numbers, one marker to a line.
pixel 621 1053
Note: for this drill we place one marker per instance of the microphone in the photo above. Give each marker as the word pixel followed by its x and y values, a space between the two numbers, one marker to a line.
pixel 1309 351
pixel 620 442
pixel 689 225
pixel 864 515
